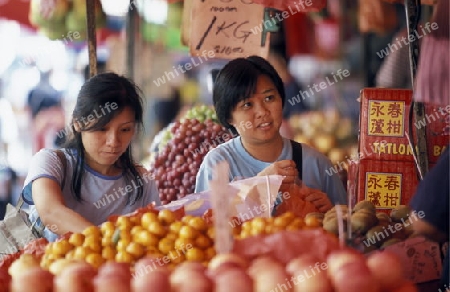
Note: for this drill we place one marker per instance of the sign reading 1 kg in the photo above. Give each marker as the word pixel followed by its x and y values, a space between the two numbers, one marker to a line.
pixel 229 28
pixel 233 29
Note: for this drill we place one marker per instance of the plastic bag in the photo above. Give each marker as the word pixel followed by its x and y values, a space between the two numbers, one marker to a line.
pixel 293 202
pixel 253 197
pixel 15 231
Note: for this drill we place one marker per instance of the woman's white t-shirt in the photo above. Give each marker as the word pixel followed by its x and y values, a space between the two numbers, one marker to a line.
pixel 102 196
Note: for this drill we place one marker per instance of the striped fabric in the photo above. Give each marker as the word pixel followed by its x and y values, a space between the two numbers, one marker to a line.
pixel 433 76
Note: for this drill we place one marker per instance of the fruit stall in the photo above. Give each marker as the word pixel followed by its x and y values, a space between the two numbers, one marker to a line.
pixel 166 250
pixel 196 242
pixel 174 248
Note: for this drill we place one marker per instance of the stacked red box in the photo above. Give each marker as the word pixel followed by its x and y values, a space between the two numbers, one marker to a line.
pixel 386 173
pixel 384 126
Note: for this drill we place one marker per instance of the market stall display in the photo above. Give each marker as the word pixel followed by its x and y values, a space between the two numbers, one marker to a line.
pixel 364 224
pixel 298 249
pixel 181 151
pixel 318 264
pixel 163 247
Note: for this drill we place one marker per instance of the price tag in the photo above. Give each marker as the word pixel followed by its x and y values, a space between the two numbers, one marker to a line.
pixel 228 28
pixel 220 199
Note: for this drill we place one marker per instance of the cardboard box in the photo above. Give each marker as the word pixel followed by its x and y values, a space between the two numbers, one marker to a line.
pixel 384 122
pixel 421 259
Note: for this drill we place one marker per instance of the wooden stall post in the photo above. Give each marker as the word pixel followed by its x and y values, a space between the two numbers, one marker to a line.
pixel 131 38
pixel 92 38
pixel 420 152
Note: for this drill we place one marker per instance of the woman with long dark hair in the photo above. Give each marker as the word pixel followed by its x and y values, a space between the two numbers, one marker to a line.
pixel 94 175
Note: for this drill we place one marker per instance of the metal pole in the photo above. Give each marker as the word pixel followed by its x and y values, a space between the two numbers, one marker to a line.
pixel 92 38
pixel 412 18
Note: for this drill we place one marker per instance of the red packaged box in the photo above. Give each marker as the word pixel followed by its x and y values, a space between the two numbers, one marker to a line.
pixel 386 185
pixel 384 126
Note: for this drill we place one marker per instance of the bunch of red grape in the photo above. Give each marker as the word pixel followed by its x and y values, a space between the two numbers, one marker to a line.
pixel 176 165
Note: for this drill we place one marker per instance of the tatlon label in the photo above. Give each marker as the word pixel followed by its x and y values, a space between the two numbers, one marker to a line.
pixel 384 189
pixel 392 148
pixel 402 149
pixel 386 118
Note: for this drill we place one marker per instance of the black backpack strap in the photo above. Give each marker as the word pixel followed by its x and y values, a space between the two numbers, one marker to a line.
pixel 297 157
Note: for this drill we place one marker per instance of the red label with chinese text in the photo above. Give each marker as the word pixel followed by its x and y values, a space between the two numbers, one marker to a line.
pixel 385 128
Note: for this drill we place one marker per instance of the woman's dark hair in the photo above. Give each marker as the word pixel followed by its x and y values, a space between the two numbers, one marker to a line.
pixel 97 93
pixel 237 81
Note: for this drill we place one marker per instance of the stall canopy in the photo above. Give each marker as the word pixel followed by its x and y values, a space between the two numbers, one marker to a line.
pixel 15 10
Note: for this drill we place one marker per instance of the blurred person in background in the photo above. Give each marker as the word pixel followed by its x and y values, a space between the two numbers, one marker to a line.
pixel 432 86
pixel 167 109
pixel 44 104
pixel 291 89
pixel 101 68
pixel 8 134
pixel 395 72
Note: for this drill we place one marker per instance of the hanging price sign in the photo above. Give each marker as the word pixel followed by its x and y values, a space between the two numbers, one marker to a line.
pixel 229 29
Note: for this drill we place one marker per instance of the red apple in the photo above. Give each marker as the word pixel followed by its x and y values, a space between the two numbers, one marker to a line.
pixel 269 275
pixel 226 260
pixel 300 263
pixel 76 277
pixel 336 260
pixel 157 280
pixel 354 276
pixel 233 279
pixel 32 279
pixel 309 274
pixel 387 269
pixel 111 283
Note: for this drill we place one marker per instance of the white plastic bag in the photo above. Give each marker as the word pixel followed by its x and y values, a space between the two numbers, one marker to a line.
pixel 253 197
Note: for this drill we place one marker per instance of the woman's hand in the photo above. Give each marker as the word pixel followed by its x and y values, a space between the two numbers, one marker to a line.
pixel 285 168
pixel 318 198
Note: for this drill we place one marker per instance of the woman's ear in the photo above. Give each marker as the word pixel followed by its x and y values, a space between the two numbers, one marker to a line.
pixel 230 121
pixel 76 125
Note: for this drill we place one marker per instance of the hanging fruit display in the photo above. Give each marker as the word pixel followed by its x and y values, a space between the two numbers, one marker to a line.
pixel 63 19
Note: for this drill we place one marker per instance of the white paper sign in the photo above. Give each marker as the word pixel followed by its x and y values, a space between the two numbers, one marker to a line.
pixel 220 198
pixel 229 28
